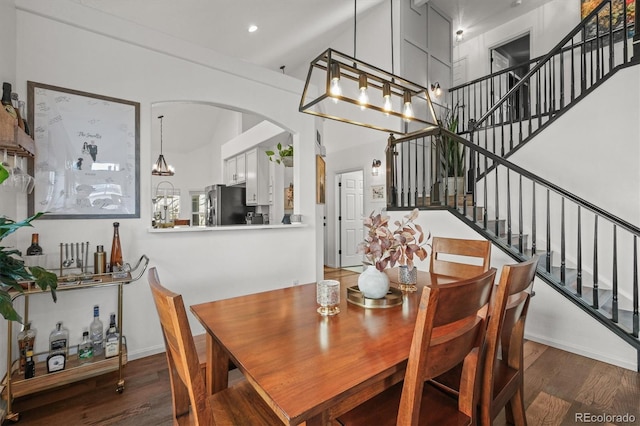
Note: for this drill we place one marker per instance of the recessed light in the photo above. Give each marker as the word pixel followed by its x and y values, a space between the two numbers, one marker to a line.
pixel 253 28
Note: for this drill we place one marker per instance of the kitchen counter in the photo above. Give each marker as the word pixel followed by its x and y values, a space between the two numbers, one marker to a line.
pixel 224 228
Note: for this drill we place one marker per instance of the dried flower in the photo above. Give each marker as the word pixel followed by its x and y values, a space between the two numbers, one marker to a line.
pixel 382 247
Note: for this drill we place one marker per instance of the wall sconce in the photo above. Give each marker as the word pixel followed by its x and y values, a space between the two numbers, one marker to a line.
pixel 435 89
pixel 375 167
pixel 459 35
pixel 160 168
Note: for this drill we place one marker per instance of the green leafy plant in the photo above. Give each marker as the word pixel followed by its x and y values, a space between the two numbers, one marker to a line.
pixel 452 151
pixel 285 155
pixel 382 247
pixel 13 270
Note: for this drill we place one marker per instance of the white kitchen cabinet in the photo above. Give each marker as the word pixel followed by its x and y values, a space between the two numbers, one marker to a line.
pixel 236 169
pixel 257 177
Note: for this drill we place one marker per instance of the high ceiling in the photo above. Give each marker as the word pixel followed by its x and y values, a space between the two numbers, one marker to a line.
pixel 289 32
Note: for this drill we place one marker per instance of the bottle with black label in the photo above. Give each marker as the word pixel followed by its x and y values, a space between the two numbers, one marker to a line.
pixel 26 343
pixel 30 368
pixel 59 340
pixel 6 100
pixel 34 249
pixel 112 339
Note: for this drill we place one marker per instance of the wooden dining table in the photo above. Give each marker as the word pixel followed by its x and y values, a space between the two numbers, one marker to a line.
pixel 308 367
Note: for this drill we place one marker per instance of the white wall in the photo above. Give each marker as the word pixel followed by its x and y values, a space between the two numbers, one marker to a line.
pixel 67 45
pixel 7 44
pixel 605 139
pixel 547 25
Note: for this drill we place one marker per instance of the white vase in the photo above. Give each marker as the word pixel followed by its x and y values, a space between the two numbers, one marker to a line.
pixel 373 283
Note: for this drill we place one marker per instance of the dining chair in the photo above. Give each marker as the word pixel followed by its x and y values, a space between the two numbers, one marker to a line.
pixel 450 256
pixel 236 405
pixel 502 376
pixel 449 330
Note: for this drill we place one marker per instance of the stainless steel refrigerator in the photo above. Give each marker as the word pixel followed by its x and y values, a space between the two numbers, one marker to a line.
pixel 226 205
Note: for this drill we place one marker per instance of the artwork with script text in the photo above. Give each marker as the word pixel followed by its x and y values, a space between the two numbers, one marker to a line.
pixel 87 154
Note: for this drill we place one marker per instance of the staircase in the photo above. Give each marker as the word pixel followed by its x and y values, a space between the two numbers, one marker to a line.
pixel 586 253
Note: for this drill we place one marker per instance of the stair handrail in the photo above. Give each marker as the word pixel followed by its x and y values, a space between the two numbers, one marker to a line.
pixel 533 177
pixel 548 56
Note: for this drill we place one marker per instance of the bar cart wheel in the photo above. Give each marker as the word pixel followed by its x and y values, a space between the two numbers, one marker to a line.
pixel 13 417
pixel 120 386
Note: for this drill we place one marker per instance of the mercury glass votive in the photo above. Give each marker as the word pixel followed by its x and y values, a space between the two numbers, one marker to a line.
pixel 328 297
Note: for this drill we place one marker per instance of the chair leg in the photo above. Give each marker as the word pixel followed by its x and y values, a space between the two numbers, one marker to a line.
pixel 514 409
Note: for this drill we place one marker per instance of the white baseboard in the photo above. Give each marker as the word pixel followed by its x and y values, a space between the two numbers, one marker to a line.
pixel 153 350
pixel 583 351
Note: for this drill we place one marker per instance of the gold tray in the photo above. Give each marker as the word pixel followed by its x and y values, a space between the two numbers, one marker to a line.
pixel 393 298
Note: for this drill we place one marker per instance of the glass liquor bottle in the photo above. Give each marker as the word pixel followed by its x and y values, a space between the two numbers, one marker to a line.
pixel 34 249
pixel 97 332
pixel 30 366
pixel 116 262
pixel 6 100
pixel 59 340
pixel 112 339
pixel 26 343
pixel 85 349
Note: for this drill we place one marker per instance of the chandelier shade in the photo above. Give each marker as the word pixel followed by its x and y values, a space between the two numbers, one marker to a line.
pixel 355 92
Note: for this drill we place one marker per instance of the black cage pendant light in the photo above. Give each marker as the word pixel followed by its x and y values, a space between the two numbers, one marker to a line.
pixel 160 168
pixel 343 88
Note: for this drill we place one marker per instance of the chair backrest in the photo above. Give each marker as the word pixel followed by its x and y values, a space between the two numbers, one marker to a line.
pixel 187 383
pixel 452 314
pixel 506 323
pixel 447 256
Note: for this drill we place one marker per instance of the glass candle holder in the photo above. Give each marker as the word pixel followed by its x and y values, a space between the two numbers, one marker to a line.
pixel 328 297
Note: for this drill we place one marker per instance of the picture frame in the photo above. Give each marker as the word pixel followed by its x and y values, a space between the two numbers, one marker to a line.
pixel 320 180
pixel 587 6
pixel 377 192
pixel 87 163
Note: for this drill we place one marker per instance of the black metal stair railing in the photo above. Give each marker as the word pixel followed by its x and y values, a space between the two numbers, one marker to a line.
pixel 587 254
pixel 509 109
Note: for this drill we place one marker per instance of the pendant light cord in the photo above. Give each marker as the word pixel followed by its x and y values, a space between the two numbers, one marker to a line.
pixel 391 15
pixel 161 117
pixel 355 13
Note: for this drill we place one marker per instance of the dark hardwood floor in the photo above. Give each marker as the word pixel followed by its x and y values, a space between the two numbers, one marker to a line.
pixel 558 386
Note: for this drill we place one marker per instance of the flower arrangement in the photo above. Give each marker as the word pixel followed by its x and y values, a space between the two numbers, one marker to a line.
pixel 383 248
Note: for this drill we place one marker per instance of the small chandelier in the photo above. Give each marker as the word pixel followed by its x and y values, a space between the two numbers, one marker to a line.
pixel 160 168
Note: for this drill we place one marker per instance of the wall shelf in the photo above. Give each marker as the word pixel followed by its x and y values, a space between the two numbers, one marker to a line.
pixel 13 138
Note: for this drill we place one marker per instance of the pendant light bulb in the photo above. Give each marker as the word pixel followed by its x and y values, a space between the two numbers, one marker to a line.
pixel 386 97
pixel 363 98
pixel 335 89
pixel 408 108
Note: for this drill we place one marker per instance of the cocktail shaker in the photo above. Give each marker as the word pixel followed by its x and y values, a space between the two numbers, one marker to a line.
pixel 100 261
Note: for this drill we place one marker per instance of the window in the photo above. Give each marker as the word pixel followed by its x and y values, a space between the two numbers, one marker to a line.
pixel 198 206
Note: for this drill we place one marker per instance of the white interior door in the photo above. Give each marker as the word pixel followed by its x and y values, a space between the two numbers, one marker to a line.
pixel 351 225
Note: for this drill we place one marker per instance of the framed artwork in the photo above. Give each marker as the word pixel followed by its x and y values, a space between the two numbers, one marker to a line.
pixel 320 179
pixel 288 198
pixel 87 163
pixel 377 192
pixel 617 12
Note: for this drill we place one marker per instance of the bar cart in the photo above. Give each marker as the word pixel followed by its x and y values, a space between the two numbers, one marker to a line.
pixel 15 385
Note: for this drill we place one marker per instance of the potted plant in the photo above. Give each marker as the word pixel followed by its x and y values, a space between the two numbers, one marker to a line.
pixel 383 247
pixel 12 267
pixel 453 153
pixel 285 155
